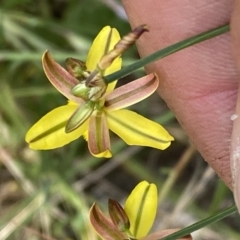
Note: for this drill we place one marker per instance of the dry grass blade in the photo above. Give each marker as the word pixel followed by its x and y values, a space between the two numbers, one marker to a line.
pixel 22 216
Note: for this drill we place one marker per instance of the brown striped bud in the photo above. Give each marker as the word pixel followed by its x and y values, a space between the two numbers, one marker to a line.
pixel 118 215
pixel 121 47
pixel 77 68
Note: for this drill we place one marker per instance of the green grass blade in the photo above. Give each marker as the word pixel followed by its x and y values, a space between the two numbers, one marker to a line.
pixel 167 51
pixel 196 226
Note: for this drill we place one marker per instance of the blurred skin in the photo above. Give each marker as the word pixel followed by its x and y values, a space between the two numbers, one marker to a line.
pixel 200 83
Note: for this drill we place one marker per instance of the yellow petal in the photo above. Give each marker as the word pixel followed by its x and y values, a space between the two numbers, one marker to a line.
pixel 116 65
pixel 141 208
pixel 103 43
pixel 135 129
pixel 49 131
pixel 106 154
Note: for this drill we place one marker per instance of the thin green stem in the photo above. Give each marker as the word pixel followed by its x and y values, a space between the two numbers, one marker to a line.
pixel 196 226
pixel 167 51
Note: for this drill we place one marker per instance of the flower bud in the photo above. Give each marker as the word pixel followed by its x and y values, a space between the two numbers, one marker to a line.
pixel 93 88
pixel 141 208
pixel 118 215
pixel 77 68
pixel 121 46
pixel 104 226
pixel 80 116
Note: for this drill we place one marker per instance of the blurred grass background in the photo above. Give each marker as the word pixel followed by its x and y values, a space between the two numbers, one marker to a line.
pixel 47 194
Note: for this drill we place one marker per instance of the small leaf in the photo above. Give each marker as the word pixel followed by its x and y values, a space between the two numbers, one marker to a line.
pixel 104 226
pixel 118 215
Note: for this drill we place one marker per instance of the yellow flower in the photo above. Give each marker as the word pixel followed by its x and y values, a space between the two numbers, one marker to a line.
pixel 92 111
pixel 132 222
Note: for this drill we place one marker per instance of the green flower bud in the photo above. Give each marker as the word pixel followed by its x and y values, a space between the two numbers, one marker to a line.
pixel 93 88
pixel 79 116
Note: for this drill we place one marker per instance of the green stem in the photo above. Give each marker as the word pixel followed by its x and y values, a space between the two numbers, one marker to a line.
pixel 196 226
pixel 167 51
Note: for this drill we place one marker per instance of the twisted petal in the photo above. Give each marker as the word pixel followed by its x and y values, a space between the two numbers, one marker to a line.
pixel 104 226
pixel 61 79
pixel 103 43
pixel 141 208
pixel 98 136
pixel 135 129
pixel 49 131
pixel 131 93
